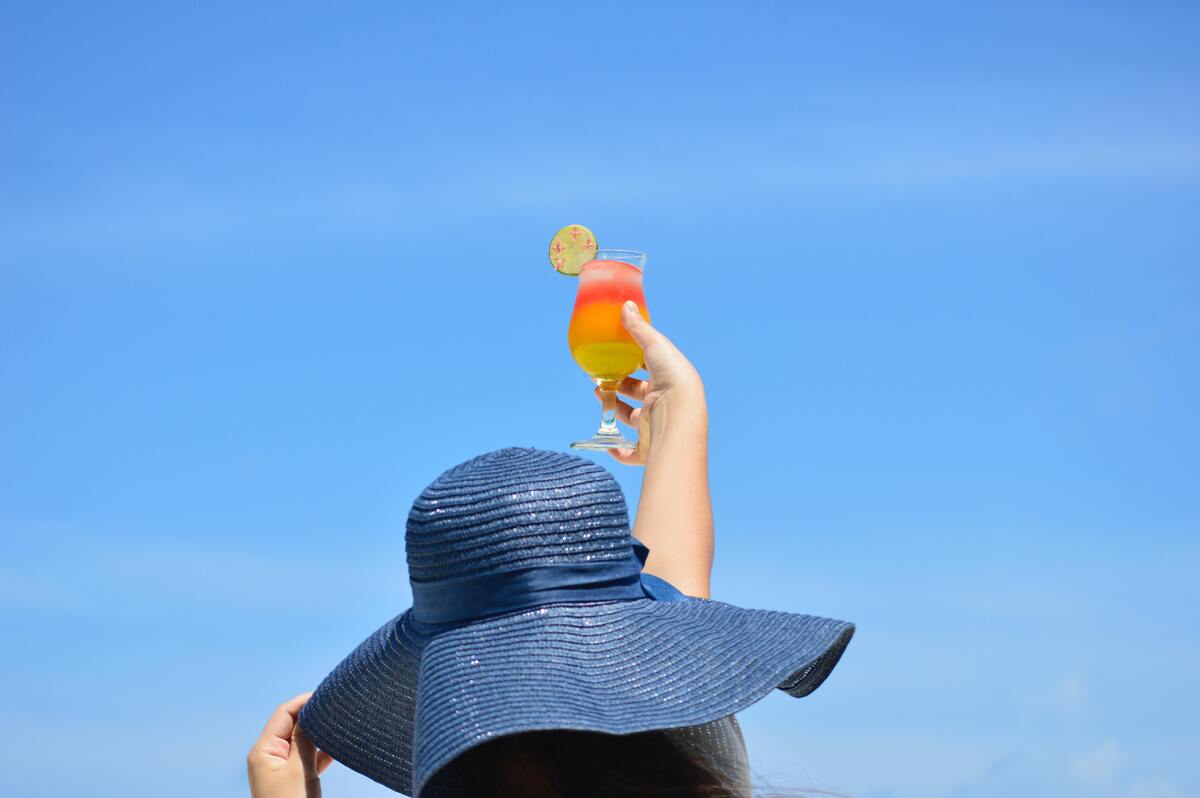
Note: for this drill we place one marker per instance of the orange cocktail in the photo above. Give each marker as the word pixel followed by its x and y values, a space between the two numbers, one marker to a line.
pixel 599 341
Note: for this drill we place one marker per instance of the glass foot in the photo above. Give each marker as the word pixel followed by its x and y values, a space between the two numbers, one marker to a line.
pixel 598 443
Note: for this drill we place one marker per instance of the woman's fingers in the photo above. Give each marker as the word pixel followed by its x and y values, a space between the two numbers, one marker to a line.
pixel 628 456
pixel 280 724
pixel 627 414
pixel 275 742
pixel 292 705
pixel 633 388
pixel 636 324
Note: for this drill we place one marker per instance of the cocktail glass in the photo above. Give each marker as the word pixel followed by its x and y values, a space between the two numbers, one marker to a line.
pixel 599 341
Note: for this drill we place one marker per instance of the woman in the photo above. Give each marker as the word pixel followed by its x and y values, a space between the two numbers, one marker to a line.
pixel 551 661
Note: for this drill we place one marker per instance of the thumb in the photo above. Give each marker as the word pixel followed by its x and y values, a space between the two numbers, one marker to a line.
pixel 637 325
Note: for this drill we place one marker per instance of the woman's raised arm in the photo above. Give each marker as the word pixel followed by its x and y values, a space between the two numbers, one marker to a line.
pixel 674 514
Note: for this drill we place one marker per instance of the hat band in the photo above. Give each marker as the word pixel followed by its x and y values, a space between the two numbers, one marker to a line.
pixel 472 597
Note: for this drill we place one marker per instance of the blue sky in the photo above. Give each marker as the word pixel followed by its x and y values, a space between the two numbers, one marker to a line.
pixel 265 272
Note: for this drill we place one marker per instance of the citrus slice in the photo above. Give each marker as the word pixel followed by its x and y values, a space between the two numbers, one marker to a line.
pixel 571 247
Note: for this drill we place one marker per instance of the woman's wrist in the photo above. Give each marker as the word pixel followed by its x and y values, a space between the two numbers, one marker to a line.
pixel 681 406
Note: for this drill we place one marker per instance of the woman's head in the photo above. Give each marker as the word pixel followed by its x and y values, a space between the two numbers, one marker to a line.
pixel 532 612
pixel 706 760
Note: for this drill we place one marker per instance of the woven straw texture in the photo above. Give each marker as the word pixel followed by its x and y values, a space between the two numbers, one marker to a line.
pixel 413 696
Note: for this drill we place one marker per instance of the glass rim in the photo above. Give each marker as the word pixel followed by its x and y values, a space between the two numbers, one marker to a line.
pixel 634 257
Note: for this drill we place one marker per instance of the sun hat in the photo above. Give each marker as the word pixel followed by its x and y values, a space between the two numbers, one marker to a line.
pixel 530 611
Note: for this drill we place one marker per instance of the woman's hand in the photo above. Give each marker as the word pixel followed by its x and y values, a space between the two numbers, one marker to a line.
pixel 283 762
pixel 673 381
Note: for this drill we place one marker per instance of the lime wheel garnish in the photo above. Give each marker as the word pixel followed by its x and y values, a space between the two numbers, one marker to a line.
pixel 571 247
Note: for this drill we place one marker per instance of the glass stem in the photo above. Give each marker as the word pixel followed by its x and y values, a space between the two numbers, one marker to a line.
pixel 608 417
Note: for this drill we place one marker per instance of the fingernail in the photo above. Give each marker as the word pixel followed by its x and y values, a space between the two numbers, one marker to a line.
pixel 631 305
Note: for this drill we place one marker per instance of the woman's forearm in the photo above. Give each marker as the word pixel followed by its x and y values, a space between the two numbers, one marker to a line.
pixel 674 516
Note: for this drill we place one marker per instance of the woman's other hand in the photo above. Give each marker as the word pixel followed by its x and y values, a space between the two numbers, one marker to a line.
pixel 673 381
pixel 283 762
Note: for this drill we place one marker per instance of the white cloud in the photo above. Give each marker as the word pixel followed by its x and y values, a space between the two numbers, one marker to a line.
pixel 1157 788
pixel 1099 768
pixel 1072 693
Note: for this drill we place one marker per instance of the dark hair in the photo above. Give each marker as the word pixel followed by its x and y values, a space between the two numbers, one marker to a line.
pixel 584 764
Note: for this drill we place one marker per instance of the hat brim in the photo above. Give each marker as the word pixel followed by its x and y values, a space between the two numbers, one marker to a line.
pixel 412 697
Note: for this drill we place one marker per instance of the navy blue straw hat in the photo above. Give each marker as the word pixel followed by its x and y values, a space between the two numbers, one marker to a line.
pixel 530 611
